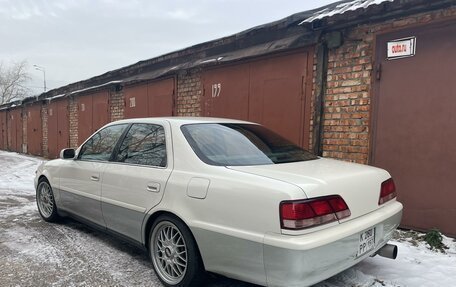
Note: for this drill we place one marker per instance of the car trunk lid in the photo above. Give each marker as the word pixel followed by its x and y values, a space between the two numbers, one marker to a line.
pixel 359 185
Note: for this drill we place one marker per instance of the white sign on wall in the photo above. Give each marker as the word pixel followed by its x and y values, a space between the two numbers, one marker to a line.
pixel 132 102
pixel 401 48
pixel 216 89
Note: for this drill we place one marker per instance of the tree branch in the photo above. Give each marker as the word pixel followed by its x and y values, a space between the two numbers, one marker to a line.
pixel 12 82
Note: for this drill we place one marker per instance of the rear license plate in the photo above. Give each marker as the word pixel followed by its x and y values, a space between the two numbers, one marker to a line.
pixel 366 242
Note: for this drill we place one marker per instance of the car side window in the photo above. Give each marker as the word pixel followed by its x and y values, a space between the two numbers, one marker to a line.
pixel 100 145
pixel 144 144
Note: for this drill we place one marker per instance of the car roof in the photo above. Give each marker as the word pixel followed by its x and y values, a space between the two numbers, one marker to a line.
pixel 182 120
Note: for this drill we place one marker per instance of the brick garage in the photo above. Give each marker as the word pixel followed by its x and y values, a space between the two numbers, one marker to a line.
pixel 382 112
pixel 341 94
pixel 351 71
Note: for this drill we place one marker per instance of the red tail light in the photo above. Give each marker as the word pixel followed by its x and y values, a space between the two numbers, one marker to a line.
pixel 300 214
pixel 387 191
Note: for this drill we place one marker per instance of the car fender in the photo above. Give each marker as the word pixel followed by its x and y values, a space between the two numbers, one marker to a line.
pixel 53 180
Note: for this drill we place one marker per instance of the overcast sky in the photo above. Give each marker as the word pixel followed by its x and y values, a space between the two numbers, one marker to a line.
pixel 79 39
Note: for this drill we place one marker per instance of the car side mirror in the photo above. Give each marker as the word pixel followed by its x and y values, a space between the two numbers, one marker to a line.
pixel 67 153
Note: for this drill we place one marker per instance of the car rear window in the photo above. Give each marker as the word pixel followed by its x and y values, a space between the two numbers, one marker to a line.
pixel 241 144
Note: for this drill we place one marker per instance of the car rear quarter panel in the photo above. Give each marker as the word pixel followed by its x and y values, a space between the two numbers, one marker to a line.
pixel 236 203
pixel 236 224
pixel 230 222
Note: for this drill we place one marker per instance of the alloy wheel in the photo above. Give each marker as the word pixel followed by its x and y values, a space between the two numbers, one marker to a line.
pixel 169 254
pixel 45 200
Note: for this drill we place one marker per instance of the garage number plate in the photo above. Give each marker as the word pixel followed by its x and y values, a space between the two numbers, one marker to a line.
pixel 366 242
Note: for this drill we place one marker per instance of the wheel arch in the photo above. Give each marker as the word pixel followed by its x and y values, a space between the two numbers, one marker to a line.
pixel 150 222
pixel 43 177
pixel 45 174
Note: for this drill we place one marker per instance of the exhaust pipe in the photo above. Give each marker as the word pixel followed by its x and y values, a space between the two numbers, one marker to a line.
pixel 388 251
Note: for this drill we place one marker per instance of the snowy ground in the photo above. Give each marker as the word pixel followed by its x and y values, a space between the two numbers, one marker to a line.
pixel 35 253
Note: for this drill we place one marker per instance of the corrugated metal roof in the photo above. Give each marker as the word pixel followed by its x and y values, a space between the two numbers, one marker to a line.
pixel 342 8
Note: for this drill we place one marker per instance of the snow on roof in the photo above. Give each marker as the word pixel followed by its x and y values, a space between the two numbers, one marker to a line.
pixel 82 90
pixel 55 97
pixel 94 87
pixel 342 8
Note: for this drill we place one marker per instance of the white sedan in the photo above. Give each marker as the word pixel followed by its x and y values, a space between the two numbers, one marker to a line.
pixel 224 196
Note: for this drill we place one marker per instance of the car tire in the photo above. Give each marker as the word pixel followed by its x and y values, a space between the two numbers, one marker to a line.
pixel 46 202
pixel 174 253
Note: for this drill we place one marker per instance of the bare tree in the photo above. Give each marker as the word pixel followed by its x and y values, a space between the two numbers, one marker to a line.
pixel 13 81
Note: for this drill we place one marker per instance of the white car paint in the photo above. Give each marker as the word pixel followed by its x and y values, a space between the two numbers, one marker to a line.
pixel 233 212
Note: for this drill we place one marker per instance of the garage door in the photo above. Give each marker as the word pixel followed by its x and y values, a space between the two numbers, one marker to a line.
pixel 58 125
pixel 93 113
pixel 414 125
pixel 34 129
pixel 14 127
pixel 136 101
pixel 274 91
pixel 154 99
pixel 3 131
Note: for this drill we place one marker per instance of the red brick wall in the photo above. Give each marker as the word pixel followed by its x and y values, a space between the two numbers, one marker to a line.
pixel 312 142
pixel 348 95
pixel 73 124
pixel 44 122
pixel 117 105
pixel 24 130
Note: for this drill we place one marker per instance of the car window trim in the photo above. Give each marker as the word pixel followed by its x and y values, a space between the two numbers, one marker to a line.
pixel 115 151
pixel 128 125
pixel 138 165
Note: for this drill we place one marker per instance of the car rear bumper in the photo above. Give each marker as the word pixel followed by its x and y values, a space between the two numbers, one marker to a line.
pixel 307 259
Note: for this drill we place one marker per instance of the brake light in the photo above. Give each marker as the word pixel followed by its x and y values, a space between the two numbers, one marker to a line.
pixel 387 191
pixel 301 214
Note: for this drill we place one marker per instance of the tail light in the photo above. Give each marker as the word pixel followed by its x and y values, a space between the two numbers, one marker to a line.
pixel 301 214
pixel 387 191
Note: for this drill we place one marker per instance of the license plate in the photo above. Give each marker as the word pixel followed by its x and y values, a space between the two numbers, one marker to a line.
pixel 366 242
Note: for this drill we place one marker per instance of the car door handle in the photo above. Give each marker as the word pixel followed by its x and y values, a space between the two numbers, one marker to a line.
pixel 153 187
pixel 94 178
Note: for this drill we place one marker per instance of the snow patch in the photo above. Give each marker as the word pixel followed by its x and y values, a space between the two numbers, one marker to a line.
pixel 17 172
pixel 342 8
pixel 27 209
pixel 26 243
pixel 75 255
